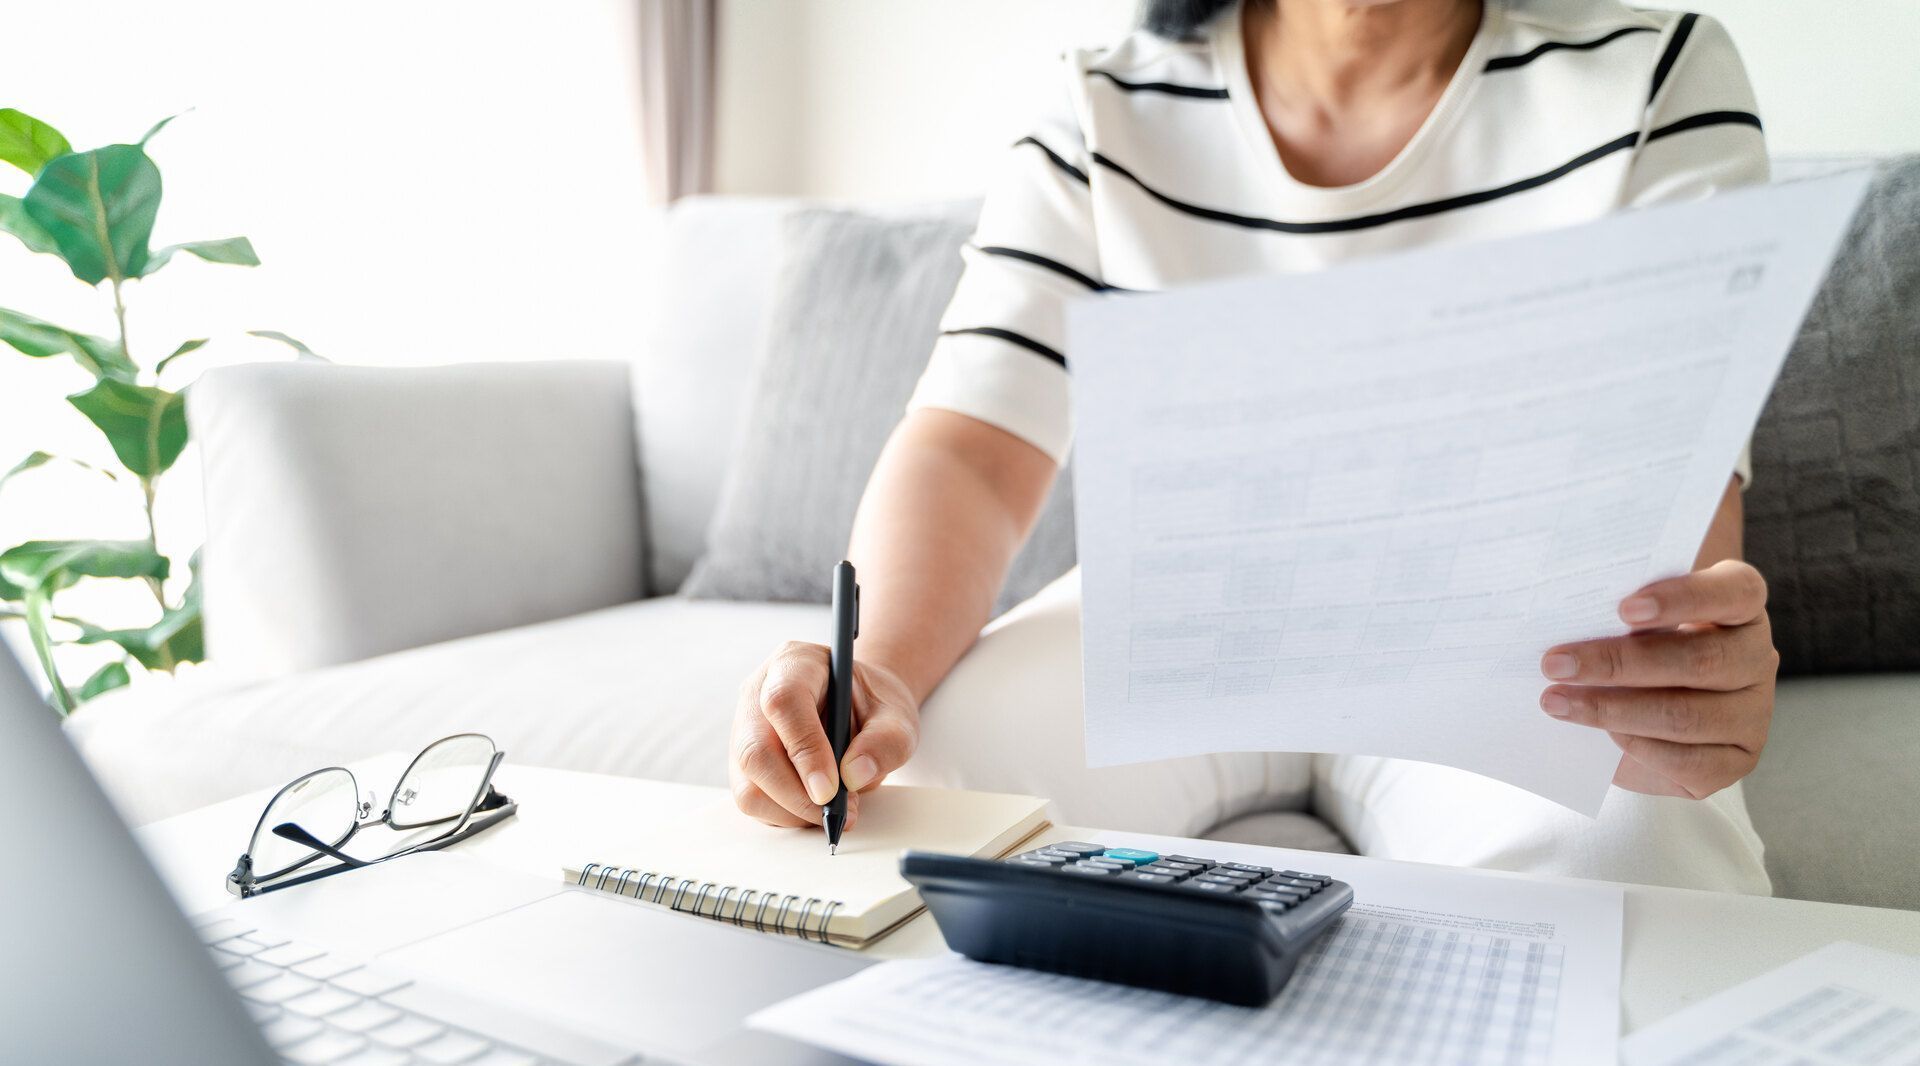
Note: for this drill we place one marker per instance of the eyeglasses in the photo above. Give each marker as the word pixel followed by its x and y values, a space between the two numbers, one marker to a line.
pixel 445 796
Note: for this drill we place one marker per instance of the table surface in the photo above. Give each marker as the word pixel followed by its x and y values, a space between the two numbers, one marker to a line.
pixel 1681 945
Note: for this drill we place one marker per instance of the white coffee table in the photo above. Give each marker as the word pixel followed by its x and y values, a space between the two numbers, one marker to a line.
pixel 1681 945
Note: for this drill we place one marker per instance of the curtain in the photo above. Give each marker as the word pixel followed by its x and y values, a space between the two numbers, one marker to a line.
pixel 676 96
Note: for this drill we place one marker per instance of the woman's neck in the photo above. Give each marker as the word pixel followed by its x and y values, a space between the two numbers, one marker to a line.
pixel 1337 51
pixel 1345 84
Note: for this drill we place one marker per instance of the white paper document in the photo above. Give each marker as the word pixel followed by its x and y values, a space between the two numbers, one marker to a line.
pixel 1350 511
pixel 1844 1005
pixel 1435 966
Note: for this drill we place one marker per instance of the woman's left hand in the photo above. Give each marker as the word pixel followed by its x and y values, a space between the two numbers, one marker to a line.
pixel 1689 694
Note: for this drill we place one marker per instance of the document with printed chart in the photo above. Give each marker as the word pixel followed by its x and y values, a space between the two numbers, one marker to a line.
pixel 1349 511
pixel 1432 965
pixel 1844 1005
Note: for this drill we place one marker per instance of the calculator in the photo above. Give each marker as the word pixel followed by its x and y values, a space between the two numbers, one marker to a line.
pixel 1227 931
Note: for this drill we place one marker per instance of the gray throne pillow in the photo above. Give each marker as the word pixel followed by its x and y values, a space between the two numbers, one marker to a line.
pixel 854 316
pixel 1833 517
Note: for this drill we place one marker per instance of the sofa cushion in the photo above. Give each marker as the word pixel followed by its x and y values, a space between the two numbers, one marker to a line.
pixel 646 689
pixel 853 320
pixel 1833 517
pixel 354 511
pixel 1834 796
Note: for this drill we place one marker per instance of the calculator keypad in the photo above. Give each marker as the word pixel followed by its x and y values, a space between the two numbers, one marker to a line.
pixel 1275 889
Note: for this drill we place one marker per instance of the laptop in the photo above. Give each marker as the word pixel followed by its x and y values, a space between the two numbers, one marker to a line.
pixel 427 958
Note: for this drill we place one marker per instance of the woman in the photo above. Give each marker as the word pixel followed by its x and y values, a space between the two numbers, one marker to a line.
pixel 1281 136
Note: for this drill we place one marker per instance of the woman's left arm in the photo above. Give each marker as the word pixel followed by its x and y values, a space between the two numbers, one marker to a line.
pixel 1689 694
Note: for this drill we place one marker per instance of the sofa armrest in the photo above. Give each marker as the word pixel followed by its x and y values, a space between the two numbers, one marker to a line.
pixel 353 511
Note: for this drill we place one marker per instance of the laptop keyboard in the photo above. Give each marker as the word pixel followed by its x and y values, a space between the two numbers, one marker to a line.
pixel 317 1006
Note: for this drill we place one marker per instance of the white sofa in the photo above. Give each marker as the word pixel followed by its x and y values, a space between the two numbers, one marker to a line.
pixel 396 555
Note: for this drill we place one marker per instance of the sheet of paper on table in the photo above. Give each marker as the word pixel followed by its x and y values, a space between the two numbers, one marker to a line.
pixel 1430 965
pixel 1349 511
pixel 1844 1005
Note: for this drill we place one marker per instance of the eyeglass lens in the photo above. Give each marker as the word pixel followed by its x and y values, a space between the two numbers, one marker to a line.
pixel 324 803
pixel 443 782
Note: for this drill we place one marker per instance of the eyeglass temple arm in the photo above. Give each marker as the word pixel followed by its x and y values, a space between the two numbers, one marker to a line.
pixel 291 831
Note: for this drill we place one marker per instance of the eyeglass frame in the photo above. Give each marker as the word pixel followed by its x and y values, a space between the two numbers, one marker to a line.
pixel 490 805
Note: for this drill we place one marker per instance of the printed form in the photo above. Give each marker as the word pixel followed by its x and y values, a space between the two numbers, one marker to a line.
pixel 1350 511
pixel 1430 965
pixel 1844 1005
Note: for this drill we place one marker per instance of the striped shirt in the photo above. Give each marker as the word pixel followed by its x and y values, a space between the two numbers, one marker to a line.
pixel 1158 170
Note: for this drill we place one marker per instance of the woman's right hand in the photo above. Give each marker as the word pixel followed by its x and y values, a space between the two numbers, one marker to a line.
pixel 780 762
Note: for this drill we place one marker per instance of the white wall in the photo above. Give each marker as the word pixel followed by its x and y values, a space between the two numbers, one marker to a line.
pixel 910 98
pixel 427 181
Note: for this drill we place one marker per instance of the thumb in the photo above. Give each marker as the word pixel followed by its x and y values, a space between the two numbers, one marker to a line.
pixel 887 737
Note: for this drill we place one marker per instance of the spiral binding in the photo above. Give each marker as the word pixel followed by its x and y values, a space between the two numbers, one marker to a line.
pixel 711 899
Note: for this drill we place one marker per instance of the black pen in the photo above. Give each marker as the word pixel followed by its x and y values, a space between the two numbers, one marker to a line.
pixel 846 626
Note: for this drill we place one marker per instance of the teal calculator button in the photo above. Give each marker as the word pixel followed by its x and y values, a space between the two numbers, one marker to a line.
pixel 1132 855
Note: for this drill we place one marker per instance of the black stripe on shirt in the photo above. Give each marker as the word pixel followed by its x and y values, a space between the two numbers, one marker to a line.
pixel 1062 269
pixel 1347 225
pixel 1706 118
pixel 1076 172
pixel 1521 60
pixel 1011 337
pixel 1672 54
pixel 1196 91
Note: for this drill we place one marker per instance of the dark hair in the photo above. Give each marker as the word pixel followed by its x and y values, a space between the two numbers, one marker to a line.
pixel 1177 19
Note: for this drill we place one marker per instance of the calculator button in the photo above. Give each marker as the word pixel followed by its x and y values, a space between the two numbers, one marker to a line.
pixel 1244 868
pixel 1174 872
pixel 1132 855
pixel 1322 879
pixel 1216 879
pixel 1076 848
pixel 1191 859
pixel 1106 864
pixel 1241 876
pixel 1293 894
pixel 1151 879
pixel 1171 864
pixel 1033 862
pixel 1041 856
pixel 1204 885
pixel 1292 882
pixel 1090 871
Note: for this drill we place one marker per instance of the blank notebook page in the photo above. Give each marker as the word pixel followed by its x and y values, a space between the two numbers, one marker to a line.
pixel 718 846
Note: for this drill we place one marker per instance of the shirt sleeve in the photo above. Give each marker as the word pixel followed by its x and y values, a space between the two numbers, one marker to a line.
pixel 1702 132
pixel 1000 356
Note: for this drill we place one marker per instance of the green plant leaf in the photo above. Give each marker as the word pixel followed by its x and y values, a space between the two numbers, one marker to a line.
pixel 14 220
pixel 10 592
pixel 305 353
pixel 237 251
pixel 33 460
pixel 158 126
pixel 39 610
pixel 185 347
pixel 99 207
pixel 178 637
pixel 40 340
pixel 50 565
pixel 104 680
pixel 27 142
pixel 146 426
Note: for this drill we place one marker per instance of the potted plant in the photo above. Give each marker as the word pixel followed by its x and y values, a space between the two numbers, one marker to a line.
pixel 94 211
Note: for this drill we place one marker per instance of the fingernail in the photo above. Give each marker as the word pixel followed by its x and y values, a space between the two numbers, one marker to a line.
pixel 819 789
pixel 1555 704
pixel 860 771
pixel 1639 609
pixel 1559 666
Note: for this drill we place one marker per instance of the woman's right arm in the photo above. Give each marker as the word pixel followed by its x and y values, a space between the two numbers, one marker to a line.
pixel 949 504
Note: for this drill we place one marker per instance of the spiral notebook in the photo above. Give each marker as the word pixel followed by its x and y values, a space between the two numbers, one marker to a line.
pixel 718 863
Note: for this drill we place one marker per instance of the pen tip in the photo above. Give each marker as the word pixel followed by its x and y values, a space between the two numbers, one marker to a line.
pixel 833 849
